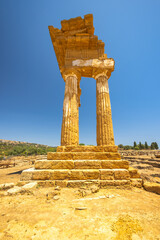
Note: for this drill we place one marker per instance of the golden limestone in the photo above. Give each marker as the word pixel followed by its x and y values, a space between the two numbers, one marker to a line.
pixel 80 54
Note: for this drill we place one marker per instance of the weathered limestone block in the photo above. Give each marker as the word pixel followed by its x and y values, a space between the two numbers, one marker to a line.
pixel 134 173
pixel 91 174
pixel 61 183
pixel 82 183
pixel 116 183
pixel 86 164
pixel 5 186
pixel 59 174
pixel 54 164
pixel 104 119
pixel 30 185
pixel 14 190
pixel 41 175
pixel 46 183
pixel 121 174
pixel 136 182
pixel 59 156
pixel 152 187
pixel 26 175
pixel 122 164
pixel 78 174
pixel 106 174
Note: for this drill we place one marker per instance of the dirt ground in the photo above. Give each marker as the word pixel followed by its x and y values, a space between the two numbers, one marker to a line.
pixel 109 214
pixel 12 174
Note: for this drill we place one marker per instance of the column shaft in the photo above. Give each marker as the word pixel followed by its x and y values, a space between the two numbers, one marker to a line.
pixel 104 117
pixel 70 123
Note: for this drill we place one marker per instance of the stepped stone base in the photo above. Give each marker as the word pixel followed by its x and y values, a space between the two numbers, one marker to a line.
pixel 76 166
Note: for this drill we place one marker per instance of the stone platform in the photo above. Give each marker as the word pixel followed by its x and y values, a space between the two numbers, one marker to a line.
pixel 78 166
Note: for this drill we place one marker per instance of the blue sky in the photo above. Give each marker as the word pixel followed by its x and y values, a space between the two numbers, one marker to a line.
pixel 32 89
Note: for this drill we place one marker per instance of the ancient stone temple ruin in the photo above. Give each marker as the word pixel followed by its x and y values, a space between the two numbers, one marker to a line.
pixel 80 54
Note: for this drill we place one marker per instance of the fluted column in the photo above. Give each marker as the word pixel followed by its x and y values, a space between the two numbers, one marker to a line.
pixel 104 117
pixel 70 123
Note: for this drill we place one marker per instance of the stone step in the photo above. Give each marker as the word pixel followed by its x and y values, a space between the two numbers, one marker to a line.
pixel 81 164
pixel 83 156
pixel 106 148
pixel 136 182
pixel 75 174
pixel 133 173
pixel 83 183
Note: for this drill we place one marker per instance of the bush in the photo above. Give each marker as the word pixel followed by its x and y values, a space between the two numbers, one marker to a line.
pixel 120 145
pixel 136 148
pixel 127 147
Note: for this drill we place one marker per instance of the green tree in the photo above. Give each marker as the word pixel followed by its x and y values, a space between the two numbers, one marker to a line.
pixel 146 145
pixel 140 145
pixel 154 145
pixel 134 144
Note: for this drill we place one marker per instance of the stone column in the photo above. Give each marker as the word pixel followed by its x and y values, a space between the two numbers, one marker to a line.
pixel 104 117
pixel 70 123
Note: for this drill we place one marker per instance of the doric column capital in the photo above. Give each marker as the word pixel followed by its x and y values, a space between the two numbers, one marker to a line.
pixel 71 72
pixel 99 73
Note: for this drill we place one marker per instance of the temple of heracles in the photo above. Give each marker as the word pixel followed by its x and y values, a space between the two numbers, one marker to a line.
pixel 80 54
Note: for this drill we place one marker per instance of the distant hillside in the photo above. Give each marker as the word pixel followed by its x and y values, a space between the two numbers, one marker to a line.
pixel 17 148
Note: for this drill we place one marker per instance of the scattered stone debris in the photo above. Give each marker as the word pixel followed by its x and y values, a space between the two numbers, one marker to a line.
pixel 53 195
pixel 152 187
pixel 57 188
pixel 24 189
pixel 6 186
pixel 110 196
pixel 83 199
pixel 14 190
pixel 88 190
pixel 94 189
pixel 80 208
pixel 56 197
pixel 29 185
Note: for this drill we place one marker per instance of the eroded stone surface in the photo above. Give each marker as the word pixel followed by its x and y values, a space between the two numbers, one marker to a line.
pixel 83 156
pixel 152 187
pixel 14 190
pixel 104 148
pixel 29 185
pixel 6 186
pixel 56 164
pixel 136 182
